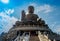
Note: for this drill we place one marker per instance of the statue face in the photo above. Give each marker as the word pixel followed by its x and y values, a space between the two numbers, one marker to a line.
pixel 31 9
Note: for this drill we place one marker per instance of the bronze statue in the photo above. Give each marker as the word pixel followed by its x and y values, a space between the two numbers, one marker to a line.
pixel 31 16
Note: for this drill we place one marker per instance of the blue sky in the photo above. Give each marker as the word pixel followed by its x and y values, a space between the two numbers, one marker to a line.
pixel 48 10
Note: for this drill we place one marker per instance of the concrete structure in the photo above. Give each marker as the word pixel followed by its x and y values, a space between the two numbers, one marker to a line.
pixel 31 28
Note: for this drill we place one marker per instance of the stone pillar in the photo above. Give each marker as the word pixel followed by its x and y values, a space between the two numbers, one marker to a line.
pixel 44 33
pixel 39 32
pixel 54 40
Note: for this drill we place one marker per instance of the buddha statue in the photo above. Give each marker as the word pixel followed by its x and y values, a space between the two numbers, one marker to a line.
pixel 31 16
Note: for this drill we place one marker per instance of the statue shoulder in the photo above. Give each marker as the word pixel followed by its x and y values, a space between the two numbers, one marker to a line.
pixel 36 15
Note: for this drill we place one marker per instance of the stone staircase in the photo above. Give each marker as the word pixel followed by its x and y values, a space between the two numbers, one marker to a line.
pixel 34 38
pixel 43 38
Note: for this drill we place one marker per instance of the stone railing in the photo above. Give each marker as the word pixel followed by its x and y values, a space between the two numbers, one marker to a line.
pixel 31 26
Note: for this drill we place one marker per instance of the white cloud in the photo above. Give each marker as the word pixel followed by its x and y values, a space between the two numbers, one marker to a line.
pixel 32 4
pixel 57 29
pixel 44 8
pixel 9 11
pixel 55 26
pixel 6 21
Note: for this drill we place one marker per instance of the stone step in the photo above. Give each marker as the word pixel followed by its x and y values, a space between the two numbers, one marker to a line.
pixel 43 38
pixel 34 38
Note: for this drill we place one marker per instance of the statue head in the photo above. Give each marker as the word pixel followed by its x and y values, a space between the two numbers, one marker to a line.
pixel 31 9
